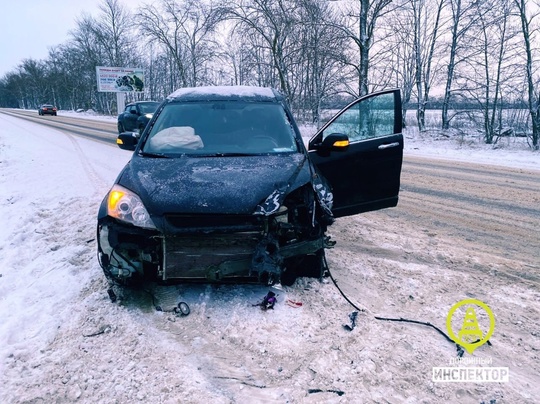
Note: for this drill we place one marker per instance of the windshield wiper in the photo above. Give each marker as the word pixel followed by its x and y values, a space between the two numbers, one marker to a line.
pixel 235 154
pixel 156 155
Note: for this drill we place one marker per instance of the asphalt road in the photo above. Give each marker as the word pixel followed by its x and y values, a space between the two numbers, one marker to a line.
pixel 93 129
pixel 493 209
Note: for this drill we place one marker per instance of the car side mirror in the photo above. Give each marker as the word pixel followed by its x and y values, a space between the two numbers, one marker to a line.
pixel 127 140
pixel 133 112
pixel 333 142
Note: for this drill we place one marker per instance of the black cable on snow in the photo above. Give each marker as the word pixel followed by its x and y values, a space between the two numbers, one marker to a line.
pixel 458 347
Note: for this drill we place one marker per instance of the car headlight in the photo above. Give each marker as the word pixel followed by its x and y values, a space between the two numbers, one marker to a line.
pixel 125 205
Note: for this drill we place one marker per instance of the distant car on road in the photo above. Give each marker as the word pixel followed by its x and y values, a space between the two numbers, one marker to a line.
pixel 47 109
pixel 136 115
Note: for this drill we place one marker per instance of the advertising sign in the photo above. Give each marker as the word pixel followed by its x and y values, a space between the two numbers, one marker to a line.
pixel 120 79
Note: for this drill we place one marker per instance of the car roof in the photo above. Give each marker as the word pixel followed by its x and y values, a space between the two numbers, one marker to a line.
pixel 222 93
pixel 143 102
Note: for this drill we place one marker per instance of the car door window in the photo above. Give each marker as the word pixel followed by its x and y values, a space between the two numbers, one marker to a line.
pixel 366 119
pixel 364 176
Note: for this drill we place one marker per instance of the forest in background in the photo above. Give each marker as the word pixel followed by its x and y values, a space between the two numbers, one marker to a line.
pixel 456 56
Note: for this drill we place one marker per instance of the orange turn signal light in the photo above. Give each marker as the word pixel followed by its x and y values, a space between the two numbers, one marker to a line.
pixel 114 198
pixel 341 143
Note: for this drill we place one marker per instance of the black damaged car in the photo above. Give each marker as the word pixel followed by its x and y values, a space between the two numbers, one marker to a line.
pixel 221 188
pixel 136 116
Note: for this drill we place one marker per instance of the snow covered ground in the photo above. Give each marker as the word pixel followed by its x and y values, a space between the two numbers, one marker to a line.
pixel 61 340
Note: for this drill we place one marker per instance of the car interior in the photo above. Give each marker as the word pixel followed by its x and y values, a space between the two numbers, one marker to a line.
pixel 216 127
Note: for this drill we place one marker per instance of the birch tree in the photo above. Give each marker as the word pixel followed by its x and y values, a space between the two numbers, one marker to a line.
pixel 362 16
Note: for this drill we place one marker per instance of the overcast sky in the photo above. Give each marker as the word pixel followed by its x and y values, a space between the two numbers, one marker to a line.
pixel 28 28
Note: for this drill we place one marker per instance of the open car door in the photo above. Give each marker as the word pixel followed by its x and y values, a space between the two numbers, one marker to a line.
pixel 360 151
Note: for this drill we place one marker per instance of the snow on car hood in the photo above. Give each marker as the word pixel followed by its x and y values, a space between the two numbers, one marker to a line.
pixel 212 185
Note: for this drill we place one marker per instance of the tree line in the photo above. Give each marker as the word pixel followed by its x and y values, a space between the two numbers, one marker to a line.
pixel 481 53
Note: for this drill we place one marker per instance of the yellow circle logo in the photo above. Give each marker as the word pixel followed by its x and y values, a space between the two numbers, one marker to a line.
pixel 470 336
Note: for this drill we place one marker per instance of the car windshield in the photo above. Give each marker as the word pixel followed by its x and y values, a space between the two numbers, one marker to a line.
pixel 221 128
pixel 149 108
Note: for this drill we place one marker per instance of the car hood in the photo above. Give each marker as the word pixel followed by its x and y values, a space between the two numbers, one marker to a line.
pixel 212 185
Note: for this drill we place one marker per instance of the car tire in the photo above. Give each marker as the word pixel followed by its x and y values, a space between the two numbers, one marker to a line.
pixel 54 114
pixel 121 128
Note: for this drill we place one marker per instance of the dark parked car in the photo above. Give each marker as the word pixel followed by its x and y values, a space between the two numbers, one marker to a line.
pixel 221 187
pixel 47 109
pixel 136 116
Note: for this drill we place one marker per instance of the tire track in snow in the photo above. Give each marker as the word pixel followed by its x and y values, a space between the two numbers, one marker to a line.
pixel 97 180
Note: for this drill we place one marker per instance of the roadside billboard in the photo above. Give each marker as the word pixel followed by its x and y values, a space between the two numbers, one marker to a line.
pixel 120 79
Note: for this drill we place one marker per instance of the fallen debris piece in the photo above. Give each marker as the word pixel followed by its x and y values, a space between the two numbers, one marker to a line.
pixel 182 309
pixel 352 317
pixel 293 303
pixel 102 330
pixel 338 392
pixel 268 301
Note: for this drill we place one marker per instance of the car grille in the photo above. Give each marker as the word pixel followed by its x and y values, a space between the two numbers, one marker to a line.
pixel 209 256
pixel 208 223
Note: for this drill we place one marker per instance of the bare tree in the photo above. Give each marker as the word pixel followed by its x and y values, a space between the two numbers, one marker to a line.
pixel 320 57
pixel 488 75
pixel 426 23
pixel 362 18
pixel 533 87
pixel 461 20
pixel 112 29
pixel 271 24
pixel 397 56
pixel 185 31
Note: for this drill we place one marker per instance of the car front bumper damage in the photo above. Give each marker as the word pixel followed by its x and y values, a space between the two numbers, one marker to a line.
pixel 247 252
